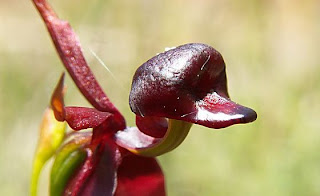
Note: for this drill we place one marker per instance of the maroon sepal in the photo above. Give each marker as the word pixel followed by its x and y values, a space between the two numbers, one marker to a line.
pixel 82 118
pixel 69 49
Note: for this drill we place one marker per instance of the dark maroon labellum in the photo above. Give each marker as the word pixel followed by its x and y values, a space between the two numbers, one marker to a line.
pixel 187 83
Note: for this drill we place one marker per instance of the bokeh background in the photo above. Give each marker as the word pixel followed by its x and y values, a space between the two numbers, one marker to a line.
pixel 271 48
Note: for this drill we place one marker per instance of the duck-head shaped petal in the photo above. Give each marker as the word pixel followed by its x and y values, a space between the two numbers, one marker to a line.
pixel 187 83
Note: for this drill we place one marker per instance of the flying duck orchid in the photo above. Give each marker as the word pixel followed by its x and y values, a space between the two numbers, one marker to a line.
pixel 183 86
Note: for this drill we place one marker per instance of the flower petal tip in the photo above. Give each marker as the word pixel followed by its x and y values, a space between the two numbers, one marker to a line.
pixel 57 102
pixel 249 115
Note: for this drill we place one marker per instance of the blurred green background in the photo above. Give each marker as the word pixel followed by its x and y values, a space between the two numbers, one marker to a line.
pixel 271 48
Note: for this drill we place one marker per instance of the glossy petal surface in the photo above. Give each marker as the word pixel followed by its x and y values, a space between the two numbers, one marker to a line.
pixel 182 84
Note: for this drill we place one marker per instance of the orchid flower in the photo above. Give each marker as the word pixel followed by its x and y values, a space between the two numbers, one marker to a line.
pixel 170 92
pixel 184 85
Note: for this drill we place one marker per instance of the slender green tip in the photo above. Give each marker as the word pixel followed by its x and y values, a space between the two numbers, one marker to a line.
pixel 52 133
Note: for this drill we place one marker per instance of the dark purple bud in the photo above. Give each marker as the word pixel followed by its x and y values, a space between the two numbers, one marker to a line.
pixel 187 83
